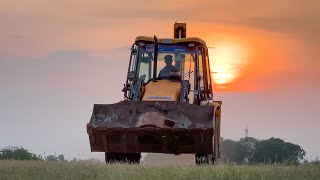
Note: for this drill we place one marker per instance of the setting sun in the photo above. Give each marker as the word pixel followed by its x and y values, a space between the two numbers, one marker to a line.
pixel 222 74
pixel 227 58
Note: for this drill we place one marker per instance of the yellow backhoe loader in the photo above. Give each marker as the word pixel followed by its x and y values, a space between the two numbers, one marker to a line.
pixel 168 104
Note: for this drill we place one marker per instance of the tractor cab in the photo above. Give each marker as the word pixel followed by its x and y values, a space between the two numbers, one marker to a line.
pixel 169 70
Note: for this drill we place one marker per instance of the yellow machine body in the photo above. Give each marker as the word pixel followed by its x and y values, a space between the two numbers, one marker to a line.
pixel 162 90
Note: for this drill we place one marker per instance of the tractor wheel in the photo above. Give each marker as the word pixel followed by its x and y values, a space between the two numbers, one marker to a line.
pixel 216 139
pixel 131 158
pixel 204 159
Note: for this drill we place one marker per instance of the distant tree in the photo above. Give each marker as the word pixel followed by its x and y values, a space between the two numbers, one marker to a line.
pixel 230 151
pixel 51 158
pixel 55 158
pixel 247 148
pixel 275 150
pixel 18 153
pixel 252 151
pixel 61 157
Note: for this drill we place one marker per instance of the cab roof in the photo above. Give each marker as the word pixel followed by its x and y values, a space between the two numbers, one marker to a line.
pixel 171 40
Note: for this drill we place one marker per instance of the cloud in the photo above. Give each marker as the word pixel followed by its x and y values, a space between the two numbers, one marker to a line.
pixel 46 26
pixel 296 18
pixel 69 55
pixel 302 27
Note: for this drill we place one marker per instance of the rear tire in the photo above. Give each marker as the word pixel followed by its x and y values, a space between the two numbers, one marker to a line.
pixel 131 158
pixel 204 159
pixel 209 159
pixel 216 139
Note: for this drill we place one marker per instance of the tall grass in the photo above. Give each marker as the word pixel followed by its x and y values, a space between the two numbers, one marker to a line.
pixel 82 170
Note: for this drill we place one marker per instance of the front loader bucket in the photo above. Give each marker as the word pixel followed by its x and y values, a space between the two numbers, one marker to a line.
pixel 149 126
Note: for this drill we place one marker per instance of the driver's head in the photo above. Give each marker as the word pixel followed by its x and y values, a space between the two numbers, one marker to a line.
pixel 168 59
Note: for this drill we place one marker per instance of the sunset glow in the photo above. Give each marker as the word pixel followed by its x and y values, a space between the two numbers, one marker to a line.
pixel 227 59
pixel 223 74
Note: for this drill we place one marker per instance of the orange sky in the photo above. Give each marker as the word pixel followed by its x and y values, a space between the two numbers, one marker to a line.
pixel 268 50
pixel 248 43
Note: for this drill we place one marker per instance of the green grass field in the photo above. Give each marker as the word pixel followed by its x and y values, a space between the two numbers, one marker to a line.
pixel 83 170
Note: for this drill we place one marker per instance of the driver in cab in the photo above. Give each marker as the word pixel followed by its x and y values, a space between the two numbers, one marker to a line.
pixel 165 72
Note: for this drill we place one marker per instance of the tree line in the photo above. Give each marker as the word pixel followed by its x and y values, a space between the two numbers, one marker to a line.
pixel 245 151
pixel 253 151
pixel 20 153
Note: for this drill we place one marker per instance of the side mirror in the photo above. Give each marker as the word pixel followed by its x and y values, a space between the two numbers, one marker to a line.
pixel 131 76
